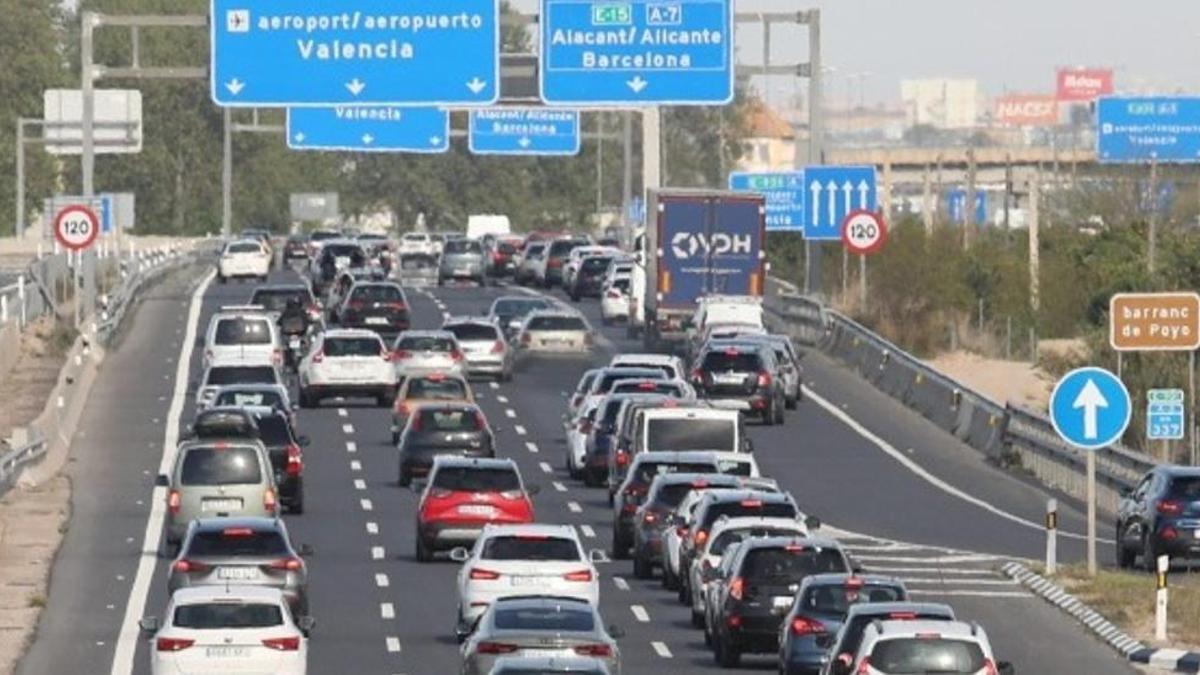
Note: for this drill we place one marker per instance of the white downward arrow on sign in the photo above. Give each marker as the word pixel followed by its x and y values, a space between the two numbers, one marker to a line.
pixel 476 85
pixel 299 138
pixel 368 139
pixel 235 86
pixel 1091 400
pixel 524 142
pixel 637 84
pixel 356 86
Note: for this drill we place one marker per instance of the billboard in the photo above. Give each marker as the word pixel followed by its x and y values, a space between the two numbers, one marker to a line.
pixel 1082 85
pixel 1027 110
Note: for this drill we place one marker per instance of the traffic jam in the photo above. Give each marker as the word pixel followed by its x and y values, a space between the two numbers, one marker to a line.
pixel 664 436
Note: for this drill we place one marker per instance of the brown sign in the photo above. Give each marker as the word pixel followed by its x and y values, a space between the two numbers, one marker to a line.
pixel 1154 321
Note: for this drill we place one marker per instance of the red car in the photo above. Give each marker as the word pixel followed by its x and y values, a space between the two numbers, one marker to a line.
pixel 463 495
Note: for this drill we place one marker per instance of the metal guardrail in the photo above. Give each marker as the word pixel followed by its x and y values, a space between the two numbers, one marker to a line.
pixel 1010 435
pixel 14 460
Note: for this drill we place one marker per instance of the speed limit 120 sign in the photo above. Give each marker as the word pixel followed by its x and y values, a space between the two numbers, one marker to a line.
pixel 863 232
pixel 76 227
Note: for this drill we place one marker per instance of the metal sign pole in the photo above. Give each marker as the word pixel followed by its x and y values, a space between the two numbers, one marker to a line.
pixel 1091 512
pixel 1051 536
pixel 862 282
pixel 1189 419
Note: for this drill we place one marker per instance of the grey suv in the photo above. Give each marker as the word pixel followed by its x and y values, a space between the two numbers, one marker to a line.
pixel 462 259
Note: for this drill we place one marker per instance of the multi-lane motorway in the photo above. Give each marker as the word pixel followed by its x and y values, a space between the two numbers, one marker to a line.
pixel 904 497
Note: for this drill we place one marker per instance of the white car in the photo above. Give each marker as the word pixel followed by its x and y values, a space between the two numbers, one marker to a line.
pixel 483 345
pixel 578 430
pixel 671 365
pixel 427 351
pixel 925 646
pixel 242 336
pixel 614 299
pixel 529 559
pixel 347 363
pixel 581 390
pixel 418 243
pixel 244 259
pixel 689 428
pixel 226 629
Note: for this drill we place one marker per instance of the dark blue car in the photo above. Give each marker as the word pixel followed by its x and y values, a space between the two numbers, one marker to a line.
pixel 1161 516
pixel 818 611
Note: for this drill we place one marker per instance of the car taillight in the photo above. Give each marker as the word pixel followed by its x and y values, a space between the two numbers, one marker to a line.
pixel 416 424
pixel 498 347
pixel 1170 507
pixel 480 421
pixel 396 306
pixel 902 616
pixel 526 338
pixel 864 668
pixel 354 305
pixel 174 501
pixel 495 648
pixel 318 357
pixel 681 532
pixel 578 575
pixel 649 517
pixel 989 667
pixel 269 500
pixel 764 379
pixel 287 564
pixel 283 644
pixel 629 507
pixel 295 460
pixel 187 566
pixel 602 651
pixel 401 354
pixel 613 295
pixel 497 256
pixel 804 626
pixel 697 375
pixel 172 644
pixel 457 355
pixel 585 426
pixel 554 262
pixel 737 588
pixel 699 538
pixel 622 458
pixel 1169 533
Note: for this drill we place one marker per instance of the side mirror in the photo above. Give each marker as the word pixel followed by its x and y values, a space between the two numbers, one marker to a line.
pixel 149 624
pixel 304 441
pixel 616 632
pixel 812 523
pixel 460 555
pixel 532 490
pixel 161 480
pixel 597 556
pixel 306 550
pixel 1005 668
pixel 306 624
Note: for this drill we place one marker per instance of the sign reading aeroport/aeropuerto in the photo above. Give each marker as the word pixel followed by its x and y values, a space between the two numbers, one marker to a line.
pixel 333 52
pixel 631 52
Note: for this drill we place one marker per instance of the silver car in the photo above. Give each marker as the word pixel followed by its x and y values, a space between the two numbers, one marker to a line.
pixel 462 259
pixel 218 478
pixel 424 351
pixel 484 346
pixel 539 626
pixel 531 257
pixel 544 665
pixel 550 330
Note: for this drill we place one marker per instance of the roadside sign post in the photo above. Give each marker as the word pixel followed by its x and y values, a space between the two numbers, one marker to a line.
pixel 1090 408
pixel 1162 566
pixel 75 228
pixel 863 233
pixel 1051 536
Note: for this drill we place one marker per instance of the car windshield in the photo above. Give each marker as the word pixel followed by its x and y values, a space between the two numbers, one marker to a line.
pixel 691 434
pixel 276 299
pixel 425 343
pixel 347 346
pixel 732 360
pixel 646 471
pixel 754 507
pixel 1185 487
pixel 438 389
pixel 243 331
pixel 556 619
pixel 557 323
pixel 236 541
pixel 791 562
pixel 476 479
pixel 220 466
pixel 557 549
pixel 241 375
pixel 462 247
pixel 217 615
pixel 926 654
pixel 244 247
pixel 274 430
pixel 450 420
pixel 730 537
pixel 467 332
pixel 265 398
pixel 517 307
pixel 837 598
pixel 377 293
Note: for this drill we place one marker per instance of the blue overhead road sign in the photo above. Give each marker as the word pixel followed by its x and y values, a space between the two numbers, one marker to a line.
pixel 956 200
pixel 373 128
pixel 1090 408
pixel 1162 128
pixel 524 131
pixel 331 52
pixel 784 191
pixel 832 193
pixel 648 52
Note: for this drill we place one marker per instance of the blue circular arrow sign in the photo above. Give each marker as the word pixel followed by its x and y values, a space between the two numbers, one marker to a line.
pixel 1090 408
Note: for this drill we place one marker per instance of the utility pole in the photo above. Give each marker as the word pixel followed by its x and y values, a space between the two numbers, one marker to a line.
pixel 1008 188
pixel 927 207
pixel 651 149
pixel 812 250
pixel 627 170
pixel 227 174
pixel 1152 222
pixel 969 201
pixel 599 162
pixel 1034 287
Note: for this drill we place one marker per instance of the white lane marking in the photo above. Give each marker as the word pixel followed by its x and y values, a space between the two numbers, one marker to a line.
pixel 574 507
pixel 494 385
pixel 372 528
pixel 355 465
pixel 351 446
pixel 502 399
pixel 445 316
pixel 366 504
pixel 135 606
pixel 348 428
pixel 971 594
pixel 640 613
pixel 510 413
pixel 519 429
pixel 661 649
pixel 387 610
pixel 382 581
pixel 924 475
pixel 393 645
pixel 531 446
pixel 360 484
pixel 377 553
pixel 559 486
pixel 923 570
pixel 587 531
pixel 941 559
pixel 342 412
pixel 621 583
pixel 546 468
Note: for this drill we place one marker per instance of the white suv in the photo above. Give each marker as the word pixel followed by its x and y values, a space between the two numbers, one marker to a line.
pixel 927 646
pixel 347 362
pixel 242 336
pixel 244 259
pixel 418 243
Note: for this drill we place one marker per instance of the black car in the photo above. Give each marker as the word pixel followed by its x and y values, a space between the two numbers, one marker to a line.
pixel 556 258
pixel 845 644
pixel 274 429
pixel 745 374
pixel 817 614
pixel 590 278
pixel 656 514
pixel 274 298
pixel 380 306
pixel 508 311
pixel 748 601
pixel 295 248
pixel 1160 516
pixel 435 429
pixel 336 256
pixel 632 492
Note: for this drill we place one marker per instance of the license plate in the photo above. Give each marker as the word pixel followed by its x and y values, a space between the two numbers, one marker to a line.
pixel 782 602
pixel 341 261
pixel 226 652
pixel 237 573
pixel 376 320
pixel 525 581
pixel 477 510
pixel 729 379
pixel 463 271
pixel 221 505
pixel 294 343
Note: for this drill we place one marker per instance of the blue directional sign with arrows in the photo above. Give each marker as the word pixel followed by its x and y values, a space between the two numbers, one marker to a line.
pixel 1090 408
pixel 648 52
pixel 956 200
pixel 524 131
pixel 832 192
pixel 369 129
pixel 333 52
pixel 784 191
pixel 1140 129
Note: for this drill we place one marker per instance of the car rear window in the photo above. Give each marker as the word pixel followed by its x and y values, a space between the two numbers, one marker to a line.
pixel 425 343
pixel 216 615
pixel 791 562
pixel 557 323
pixel 1184 487
pixel 220 466
pixel 926 654
pixel 245 247
pixel 243 331
pixel 621 284
pixel 241 375
pixel 506 248
pixel 672 389
pixel 730 537
pixel 732 360
pixel 672 494
pixel 518 306
pixel 323 235
pixel 276 299
pixel 450 420
pixel 346 346
pixel 462 246
pixel 267 399
pixel 221 423
pixel 561 249
pixel 416 237
pixel 838 597
pixel 646 471
pixel 557 549
pixel 610 379
pixel 377 293
pixel 442 389
pixel 691 434
pixel 473 331
pixel 754 507
pixel 555 620
pixel 594 265
pixel 476 479
pixel 274 430
pixel 237 541
pixel 343 251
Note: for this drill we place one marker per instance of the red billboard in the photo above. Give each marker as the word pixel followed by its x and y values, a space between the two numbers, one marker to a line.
pixel 1027 110
pixel 1084 84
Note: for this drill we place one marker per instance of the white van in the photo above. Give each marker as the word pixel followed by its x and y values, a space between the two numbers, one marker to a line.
pixel 480 225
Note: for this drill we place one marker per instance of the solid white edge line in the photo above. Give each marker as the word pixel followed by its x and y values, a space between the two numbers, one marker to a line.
pixel 135 606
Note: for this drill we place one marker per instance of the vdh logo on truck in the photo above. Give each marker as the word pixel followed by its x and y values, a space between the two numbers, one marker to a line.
pixel 686 244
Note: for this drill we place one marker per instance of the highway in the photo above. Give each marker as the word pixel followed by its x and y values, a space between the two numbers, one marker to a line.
pixel 905 498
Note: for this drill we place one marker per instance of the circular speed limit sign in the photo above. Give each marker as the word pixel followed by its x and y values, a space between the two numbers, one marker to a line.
pixel 863 232
pixel 76 227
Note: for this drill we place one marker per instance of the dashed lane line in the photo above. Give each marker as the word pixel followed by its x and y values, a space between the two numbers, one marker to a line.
pixel 366 505
pixel 531 447
pixel 546 468
pixel 372 528
pixel 587 531
pixel 661 649
pixel 519 429
pixel 559 486
pixel 355 465
pixel 377 553
pixel 502 399
pixel 342 412
pixel 510 413
pixel 360 484
pixel 348 428
pixel 494 385
pixel 387 610
pixel 351 446
pixel 640 613
pixel 621 583
pixel 393 645
pixel 381 580
pixel 574 507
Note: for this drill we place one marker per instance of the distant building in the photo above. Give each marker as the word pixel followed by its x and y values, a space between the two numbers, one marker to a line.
pixel 770 144
pixel 942 103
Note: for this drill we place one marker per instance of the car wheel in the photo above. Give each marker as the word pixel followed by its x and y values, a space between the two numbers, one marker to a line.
pixel 768 415
pixel 709 639
pixel 222 279
pixel 405 479
pixel 506 376
pixel 395 437
pixel 698 621
pixel 620 547
pixel 685 592
pixel 423 553
pixel 1126 558
pixel 669 581
pixel 305 399
pixel 728 656
pixel 297 505
pixel 641 567
pixel 790 404
pixel 611 498
pixel 778 412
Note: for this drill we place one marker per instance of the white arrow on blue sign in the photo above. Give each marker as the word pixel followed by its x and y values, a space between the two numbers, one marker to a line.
pixel 332 52
pixel 524 131
pixel 647 52
pixel 1090 408
pixel 832 193
pixel 369 129
pixel 784 192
